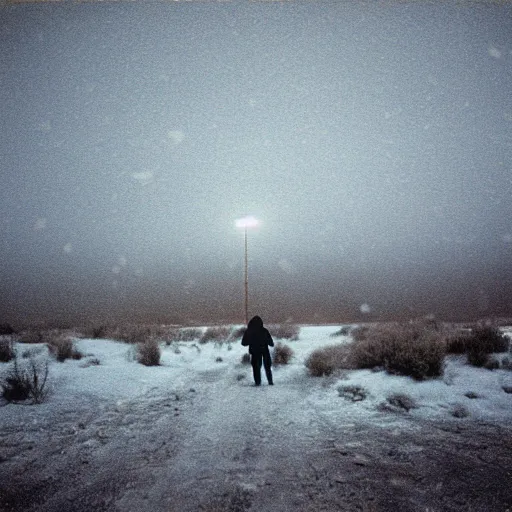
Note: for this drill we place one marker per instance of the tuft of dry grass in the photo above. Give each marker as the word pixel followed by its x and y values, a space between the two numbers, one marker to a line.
pixel 483 341
pixel 218 334
pixel 324 361
pixel 27 381
pixel 457 342
pixel 352 393
pixel 62 348
pixel 282 354
pixel 238 333
pixel 402 349
pixel 402 401
pixel 284 331
pixel 185 334
pixel 459 411
pixel 148 353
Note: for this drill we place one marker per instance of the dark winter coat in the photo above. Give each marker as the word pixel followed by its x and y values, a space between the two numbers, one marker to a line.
pixel 256 337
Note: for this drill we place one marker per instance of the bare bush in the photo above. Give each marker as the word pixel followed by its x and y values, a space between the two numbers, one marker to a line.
pixel 485 340
pixel 324 361
pixel 492 363
pixel 238 332
pixel 217 334
pixel 98 331
pixel 62 348
pixel 477 358
pixel 7 352
pixel 285 331
pixel 359 333
pixel 282 354
pixel 506 363
pixel 185 334
pixel 457 342
pixel 26 382
pixel 402 349
pixel 148 353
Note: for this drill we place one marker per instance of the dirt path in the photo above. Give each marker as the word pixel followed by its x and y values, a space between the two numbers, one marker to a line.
pixel 220 444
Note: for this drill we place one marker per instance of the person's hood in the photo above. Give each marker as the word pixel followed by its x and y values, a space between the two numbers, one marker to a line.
pixel 255 323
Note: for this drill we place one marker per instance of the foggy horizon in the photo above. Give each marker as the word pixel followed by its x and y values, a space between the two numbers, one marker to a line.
pixel 373 142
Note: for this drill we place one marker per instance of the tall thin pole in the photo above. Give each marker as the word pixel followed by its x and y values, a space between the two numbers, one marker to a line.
pixel 246 280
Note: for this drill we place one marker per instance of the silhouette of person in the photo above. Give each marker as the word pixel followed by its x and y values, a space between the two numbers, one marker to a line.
pixel 258 339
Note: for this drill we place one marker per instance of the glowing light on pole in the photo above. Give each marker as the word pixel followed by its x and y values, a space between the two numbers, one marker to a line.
pixel 245 223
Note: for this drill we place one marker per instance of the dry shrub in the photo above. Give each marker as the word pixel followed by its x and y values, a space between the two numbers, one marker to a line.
pixel 282 354
pixel 477 358
pixel 402 401
pixel 492 363
pixel 238 333
pixel 285 331
pixel 148 353
pixel 506 363
pixel 7 352
pixel 217 334
pixel 26 382
pixel 457 342
pixel 62 348
pixel 324 361
pixel 185 334
pixel 487 339
pixel 402 349
pixel 359 333
pixel 98 332
pixel 459 411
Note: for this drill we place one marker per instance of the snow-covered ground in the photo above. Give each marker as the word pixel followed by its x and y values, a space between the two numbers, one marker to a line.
pixel 195 434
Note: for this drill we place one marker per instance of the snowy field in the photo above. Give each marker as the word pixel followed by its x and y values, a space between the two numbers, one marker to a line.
pixel 195 434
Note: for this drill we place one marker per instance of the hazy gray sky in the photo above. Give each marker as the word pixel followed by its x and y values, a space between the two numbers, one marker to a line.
pixel 373 140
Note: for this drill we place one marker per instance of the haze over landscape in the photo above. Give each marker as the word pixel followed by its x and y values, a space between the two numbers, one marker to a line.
pixel 373 141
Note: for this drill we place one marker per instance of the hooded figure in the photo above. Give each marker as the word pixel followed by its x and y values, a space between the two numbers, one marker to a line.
pixel 258 339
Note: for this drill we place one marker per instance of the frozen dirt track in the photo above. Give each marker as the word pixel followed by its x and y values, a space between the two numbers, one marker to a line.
pixel 216 443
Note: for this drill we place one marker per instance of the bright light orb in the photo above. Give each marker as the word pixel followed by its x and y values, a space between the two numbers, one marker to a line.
pixel 247 222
